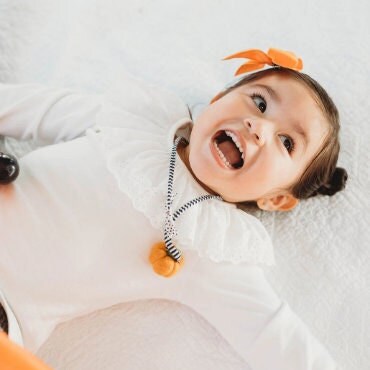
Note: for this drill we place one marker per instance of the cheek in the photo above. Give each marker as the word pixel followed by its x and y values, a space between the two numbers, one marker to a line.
pixel 197 157
pixel 214 114
pixel 269 168
pixel 201 135
pixel 201 163
pixel 196 139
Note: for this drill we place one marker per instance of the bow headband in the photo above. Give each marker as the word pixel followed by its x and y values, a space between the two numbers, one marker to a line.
pixel 274 57
pixel 258 59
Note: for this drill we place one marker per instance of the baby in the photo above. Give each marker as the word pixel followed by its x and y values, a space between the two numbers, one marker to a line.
pixel 116 171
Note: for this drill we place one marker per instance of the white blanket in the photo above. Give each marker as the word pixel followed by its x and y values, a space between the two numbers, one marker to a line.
pixel 321 247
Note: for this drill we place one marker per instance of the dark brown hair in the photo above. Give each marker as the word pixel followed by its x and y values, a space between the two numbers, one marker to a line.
pixel 321 175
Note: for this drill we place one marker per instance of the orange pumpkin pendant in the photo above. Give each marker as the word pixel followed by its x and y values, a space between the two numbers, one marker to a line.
pixel 162 263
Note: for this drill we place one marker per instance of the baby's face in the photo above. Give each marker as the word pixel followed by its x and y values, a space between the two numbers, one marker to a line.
pixel 278 128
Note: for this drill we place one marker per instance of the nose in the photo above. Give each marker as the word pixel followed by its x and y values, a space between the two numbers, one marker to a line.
pixel 260 130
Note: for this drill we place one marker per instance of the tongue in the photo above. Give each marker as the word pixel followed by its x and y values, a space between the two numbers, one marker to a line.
pixel 230 152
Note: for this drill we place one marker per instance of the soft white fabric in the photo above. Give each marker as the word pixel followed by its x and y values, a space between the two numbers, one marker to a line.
pixel 83 246
pixel 150 121
pixel 321 247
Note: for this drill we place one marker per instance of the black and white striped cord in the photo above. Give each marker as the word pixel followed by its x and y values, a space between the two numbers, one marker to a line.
pixel 169 227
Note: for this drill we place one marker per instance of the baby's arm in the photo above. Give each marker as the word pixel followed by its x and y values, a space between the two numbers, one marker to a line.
pixel 45 114
pixel 239 302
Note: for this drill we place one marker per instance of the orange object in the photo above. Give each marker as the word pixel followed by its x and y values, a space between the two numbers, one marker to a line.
pixel 14 357
pixel 274 57
pixel 162 263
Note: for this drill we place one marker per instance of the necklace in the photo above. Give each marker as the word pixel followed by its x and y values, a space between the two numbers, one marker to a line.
pixel 165 257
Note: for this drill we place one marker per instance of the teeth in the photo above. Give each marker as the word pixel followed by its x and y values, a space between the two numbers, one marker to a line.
pixel 227 163
pixel 236 141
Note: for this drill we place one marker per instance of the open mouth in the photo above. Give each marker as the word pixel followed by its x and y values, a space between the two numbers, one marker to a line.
pixel 229 149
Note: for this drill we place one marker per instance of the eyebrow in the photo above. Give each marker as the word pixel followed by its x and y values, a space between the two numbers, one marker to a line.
pixel 273 95
pixel 270 91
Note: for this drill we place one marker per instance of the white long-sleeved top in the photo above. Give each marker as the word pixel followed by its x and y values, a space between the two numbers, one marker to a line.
pixel 77 225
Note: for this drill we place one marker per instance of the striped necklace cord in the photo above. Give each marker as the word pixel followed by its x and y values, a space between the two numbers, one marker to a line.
pixel 169 227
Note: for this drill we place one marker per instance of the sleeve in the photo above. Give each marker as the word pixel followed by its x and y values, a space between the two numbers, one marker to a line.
pixel 47 115
pixel 253 319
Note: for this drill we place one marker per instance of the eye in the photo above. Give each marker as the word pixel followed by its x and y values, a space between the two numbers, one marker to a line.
pixel 287 142
pixel 260 102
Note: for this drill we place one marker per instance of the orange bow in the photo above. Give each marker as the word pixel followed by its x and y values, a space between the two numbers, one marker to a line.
pixel 274 57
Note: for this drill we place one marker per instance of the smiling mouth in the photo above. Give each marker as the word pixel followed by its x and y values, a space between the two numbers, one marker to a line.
pixel 229 149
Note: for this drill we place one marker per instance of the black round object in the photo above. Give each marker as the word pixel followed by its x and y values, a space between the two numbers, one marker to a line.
pixel 9 168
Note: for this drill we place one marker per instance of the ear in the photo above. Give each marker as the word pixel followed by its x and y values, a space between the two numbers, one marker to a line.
pixel 284 202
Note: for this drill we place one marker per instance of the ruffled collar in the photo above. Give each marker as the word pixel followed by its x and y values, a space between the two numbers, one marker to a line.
pixel 136 141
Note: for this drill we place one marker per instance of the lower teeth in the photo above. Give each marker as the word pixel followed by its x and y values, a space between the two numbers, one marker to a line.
pixel 221 155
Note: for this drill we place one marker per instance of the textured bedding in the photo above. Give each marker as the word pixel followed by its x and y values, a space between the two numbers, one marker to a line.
pixel 322 247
